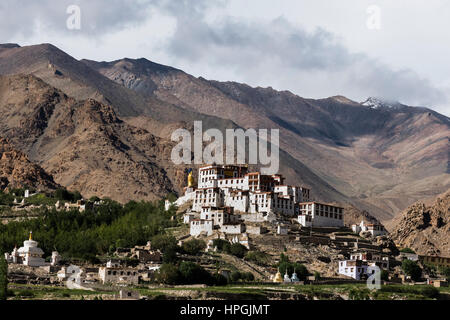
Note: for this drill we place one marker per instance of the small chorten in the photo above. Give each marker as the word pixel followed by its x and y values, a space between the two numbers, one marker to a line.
pixel 294 277
pixel 286 277
pixel 277 277
pixel 30 254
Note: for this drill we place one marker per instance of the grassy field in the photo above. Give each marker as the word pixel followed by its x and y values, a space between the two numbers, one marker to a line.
pixel 244 291
pixel 46 292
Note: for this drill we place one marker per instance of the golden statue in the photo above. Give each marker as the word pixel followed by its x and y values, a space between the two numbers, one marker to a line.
pixel 31 235
pixel 191 181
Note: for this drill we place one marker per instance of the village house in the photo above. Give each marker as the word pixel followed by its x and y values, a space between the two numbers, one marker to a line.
pixel 374 259
pixel 355 269
pixel 435 260
pixel 233 228
pixel 409 256
pixel 198 227
pixel 438 283
pixel 375 229
pixel 282 229
pixel 114 273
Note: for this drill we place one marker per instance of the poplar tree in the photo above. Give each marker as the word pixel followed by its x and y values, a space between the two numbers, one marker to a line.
pixel 3 278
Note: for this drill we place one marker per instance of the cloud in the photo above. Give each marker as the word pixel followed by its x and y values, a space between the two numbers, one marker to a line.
pixel 25 18
pixel 206 41
pixel 279 54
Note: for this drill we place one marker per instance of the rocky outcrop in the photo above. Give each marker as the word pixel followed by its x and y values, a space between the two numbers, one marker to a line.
pixel 426 229
pixel 17 171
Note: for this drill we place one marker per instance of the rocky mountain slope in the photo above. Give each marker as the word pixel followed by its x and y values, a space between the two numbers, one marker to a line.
pixel 425 228
pixel 151 114
pixel 375 156
pixel 383 158
pixel 17 171
pixel 84 144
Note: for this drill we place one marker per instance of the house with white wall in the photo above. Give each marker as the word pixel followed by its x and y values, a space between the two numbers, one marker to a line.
pixel 316 214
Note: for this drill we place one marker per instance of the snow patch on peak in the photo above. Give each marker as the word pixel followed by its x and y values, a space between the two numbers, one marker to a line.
pixel 378 103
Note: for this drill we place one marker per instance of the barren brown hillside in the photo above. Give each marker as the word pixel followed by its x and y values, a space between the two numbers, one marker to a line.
pixel 379 159
pixel 17 171
pixel 425 228
pixel 384 159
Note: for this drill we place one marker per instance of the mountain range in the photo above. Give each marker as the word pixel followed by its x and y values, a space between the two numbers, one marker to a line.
pixel 104 129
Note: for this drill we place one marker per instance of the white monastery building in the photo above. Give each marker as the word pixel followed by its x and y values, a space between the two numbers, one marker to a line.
pixel 227 195
pixel 315 214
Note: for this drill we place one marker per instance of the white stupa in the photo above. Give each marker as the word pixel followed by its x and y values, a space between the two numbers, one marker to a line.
pixel 286 277
pixel 30 254
pixel 294 277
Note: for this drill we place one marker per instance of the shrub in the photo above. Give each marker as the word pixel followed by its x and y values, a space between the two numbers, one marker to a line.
pixel 220 280
pixel 257 257
pixel 194 246
pixel 238 250
pixel 359 294
pixel 220 244
pixel 172 197
pixel 65 195
pixel 445 271
pixel 26 293
pixel 247 276
pixel 384 275
pixel 3 278
pixel 407 250
pixel 168 274
pixel 244 276
pixel 193 273
pixel 170 255
pixel 235 276
pixel 427 291
pixel 163 242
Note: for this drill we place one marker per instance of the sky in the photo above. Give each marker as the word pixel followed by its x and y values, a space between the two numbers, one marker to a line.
pixel 396 50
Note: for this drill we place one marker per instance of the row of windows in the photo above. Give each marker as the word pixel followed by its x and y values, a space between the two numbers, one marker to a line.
pixel 122 273
pixel 322 208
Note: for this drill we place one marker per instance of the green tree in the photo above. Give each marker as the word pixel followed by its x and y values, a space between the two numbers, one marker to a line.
pixel 194 246
pixel 220 280
pixel 192 273
pixel 407 250
pixel 170 255
pixel 163 242
pixel 285 265
pixel 445 271
pixel 220 244
pixel 172 197
pixel 3 278
pixel 384 275
pixel 168 274
pixel 412 269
